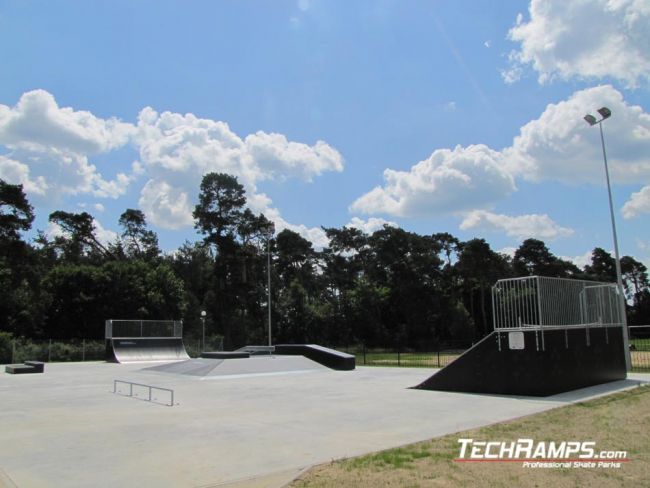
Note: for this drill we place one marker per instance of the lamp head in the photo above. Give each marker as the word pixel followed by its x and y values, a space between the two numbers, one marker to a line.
pixel 203 314
pixel 605 113
pixel 591 120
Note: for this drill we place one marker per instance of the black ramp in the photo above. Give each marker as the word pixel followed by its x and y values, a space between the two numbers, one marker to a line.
pixel 571 358
pixel 328 357
pixel 140 349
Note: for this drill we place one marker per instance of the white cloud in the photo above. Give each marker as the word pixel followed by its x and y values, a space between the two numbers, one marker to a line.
pixel 561 146
pixel 508 251
pixel 522 227
pixel 580 261
pixel 639 203
pixel 166 206
pixel 278 158
pixel 105 236
pixel 261 203
pixel 17 173
pixel 583 39
pixel 38 124
pixel 448 181
pixel 55 143
pixel 49 149
pixel 99 207
pixel 371 225
pixel 177 150
pixel 558 146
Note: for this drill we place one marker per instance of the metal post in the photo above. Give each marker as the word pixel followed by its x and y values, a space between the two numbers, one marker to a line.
pixel 203 342
pixel 83 349
pixel 13 351
pixel 619 275
pixel 49 352
pixel 268 272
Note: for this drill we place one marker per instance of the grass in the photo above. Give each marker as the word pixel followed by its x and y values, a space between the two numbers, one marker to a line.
pixel 615 422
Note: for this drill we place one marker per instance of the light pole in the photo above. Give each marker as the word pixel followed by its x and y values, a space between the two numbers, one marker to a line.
pixel 268 273
pixel 203 314
pixel 606 113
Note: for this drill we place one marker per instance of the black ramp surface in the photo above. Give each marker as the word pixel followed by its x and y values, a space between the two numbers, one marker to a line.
pixel 569 361
pixel 328 357
pixel 131 350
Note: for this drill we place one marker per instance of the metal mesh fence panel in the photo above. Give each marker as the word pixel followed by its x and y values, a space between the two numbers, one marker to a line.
pixel 144 328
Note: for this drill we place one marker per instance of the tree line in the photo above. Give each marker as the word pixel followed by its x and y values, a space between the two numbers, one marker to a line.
pixel 388 288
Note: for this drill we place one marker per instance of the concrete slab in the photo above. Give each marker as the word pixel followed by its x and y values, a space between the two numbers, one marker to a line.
pixel 67 428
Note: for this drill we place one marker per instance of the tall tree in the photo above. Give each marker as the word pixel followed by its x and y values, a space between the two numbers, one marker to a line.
pixel 80 228
pixel 221 202
pixel 533 258
pixel 16 214
pixel 139 240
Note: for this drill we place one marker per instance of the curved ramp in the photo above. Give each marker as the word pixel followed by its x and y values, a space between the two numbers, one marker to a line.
pixel 520 365
pixel 142 349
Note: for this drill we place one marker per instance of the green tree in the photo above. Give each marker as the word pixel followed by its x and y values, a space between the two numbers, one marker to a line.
pixel 80 240
pixel 533 258
pixel 140 242
pixel 16 214
pixel 479 268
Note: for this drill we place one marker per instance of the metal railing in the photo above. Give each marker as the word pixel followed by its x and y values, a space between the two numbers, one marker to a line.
pixel 149 389
pixel 543 302
pixel 143 328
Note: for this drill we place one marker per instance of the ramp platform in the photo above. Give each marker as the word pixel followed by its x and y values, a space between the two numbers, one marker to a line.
pixel 506 364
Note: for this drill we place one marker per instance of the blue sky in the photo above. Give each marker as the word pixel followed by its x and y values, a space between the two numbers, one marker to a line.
pixel 461 116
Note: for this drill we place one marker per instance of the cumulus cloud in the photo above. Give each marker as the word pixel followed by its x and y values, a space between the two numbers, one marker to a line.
pixel 586 39
pixel 261 203
pixel 177 150
pixel 561 146
pixel 166 206
pixel 522 227
pixel 371 225
pixel 580 261
pixel 639 203
pixel 448 181
pixel 55 143
pixel 17 173
pixel 50 150
pixel 37 123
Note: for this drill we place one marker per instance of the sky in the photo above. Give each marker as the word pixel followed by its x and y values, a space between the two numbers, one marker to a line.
pixel 437 116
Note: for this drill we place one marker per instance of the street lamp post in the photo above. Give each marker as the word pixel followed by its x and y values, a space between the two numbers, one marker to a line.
pixel 203 314
pixel 268 273
pixel 605 113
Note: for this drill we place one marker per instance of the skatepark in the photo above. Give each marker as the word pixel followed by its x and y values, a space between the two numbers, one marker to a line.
pixel 260 416
pixel 67 427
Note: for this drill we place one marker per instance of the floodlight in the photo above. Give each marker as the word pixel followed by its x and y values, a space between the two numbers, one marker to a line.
pixel 591 120
pixel 605 112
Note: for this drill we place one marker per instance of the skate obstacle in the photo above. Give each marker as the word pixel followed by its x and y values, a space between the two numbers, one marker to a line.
pixel 551 335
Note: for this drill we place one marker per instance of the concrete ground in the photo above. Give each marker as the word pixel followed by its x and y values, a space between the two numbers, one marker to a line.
pixel 66 428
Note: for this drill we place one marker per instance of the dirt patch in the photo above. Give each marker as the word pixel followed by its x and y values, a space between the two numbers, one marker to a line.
pixel 619 422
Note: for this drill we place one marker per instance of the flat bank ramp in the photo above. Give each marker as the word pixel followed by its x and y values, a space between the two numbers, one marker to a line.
pixel 529 365
pixel 209 368
pixel 142 349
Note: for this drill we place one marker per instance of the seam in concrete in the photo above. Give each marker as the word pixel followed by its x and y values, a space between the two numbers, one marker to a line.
pixel 6 481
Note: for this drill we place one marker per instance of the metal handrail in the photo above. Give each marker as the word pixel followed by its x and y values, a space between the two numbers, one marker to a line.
pixel 132 384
